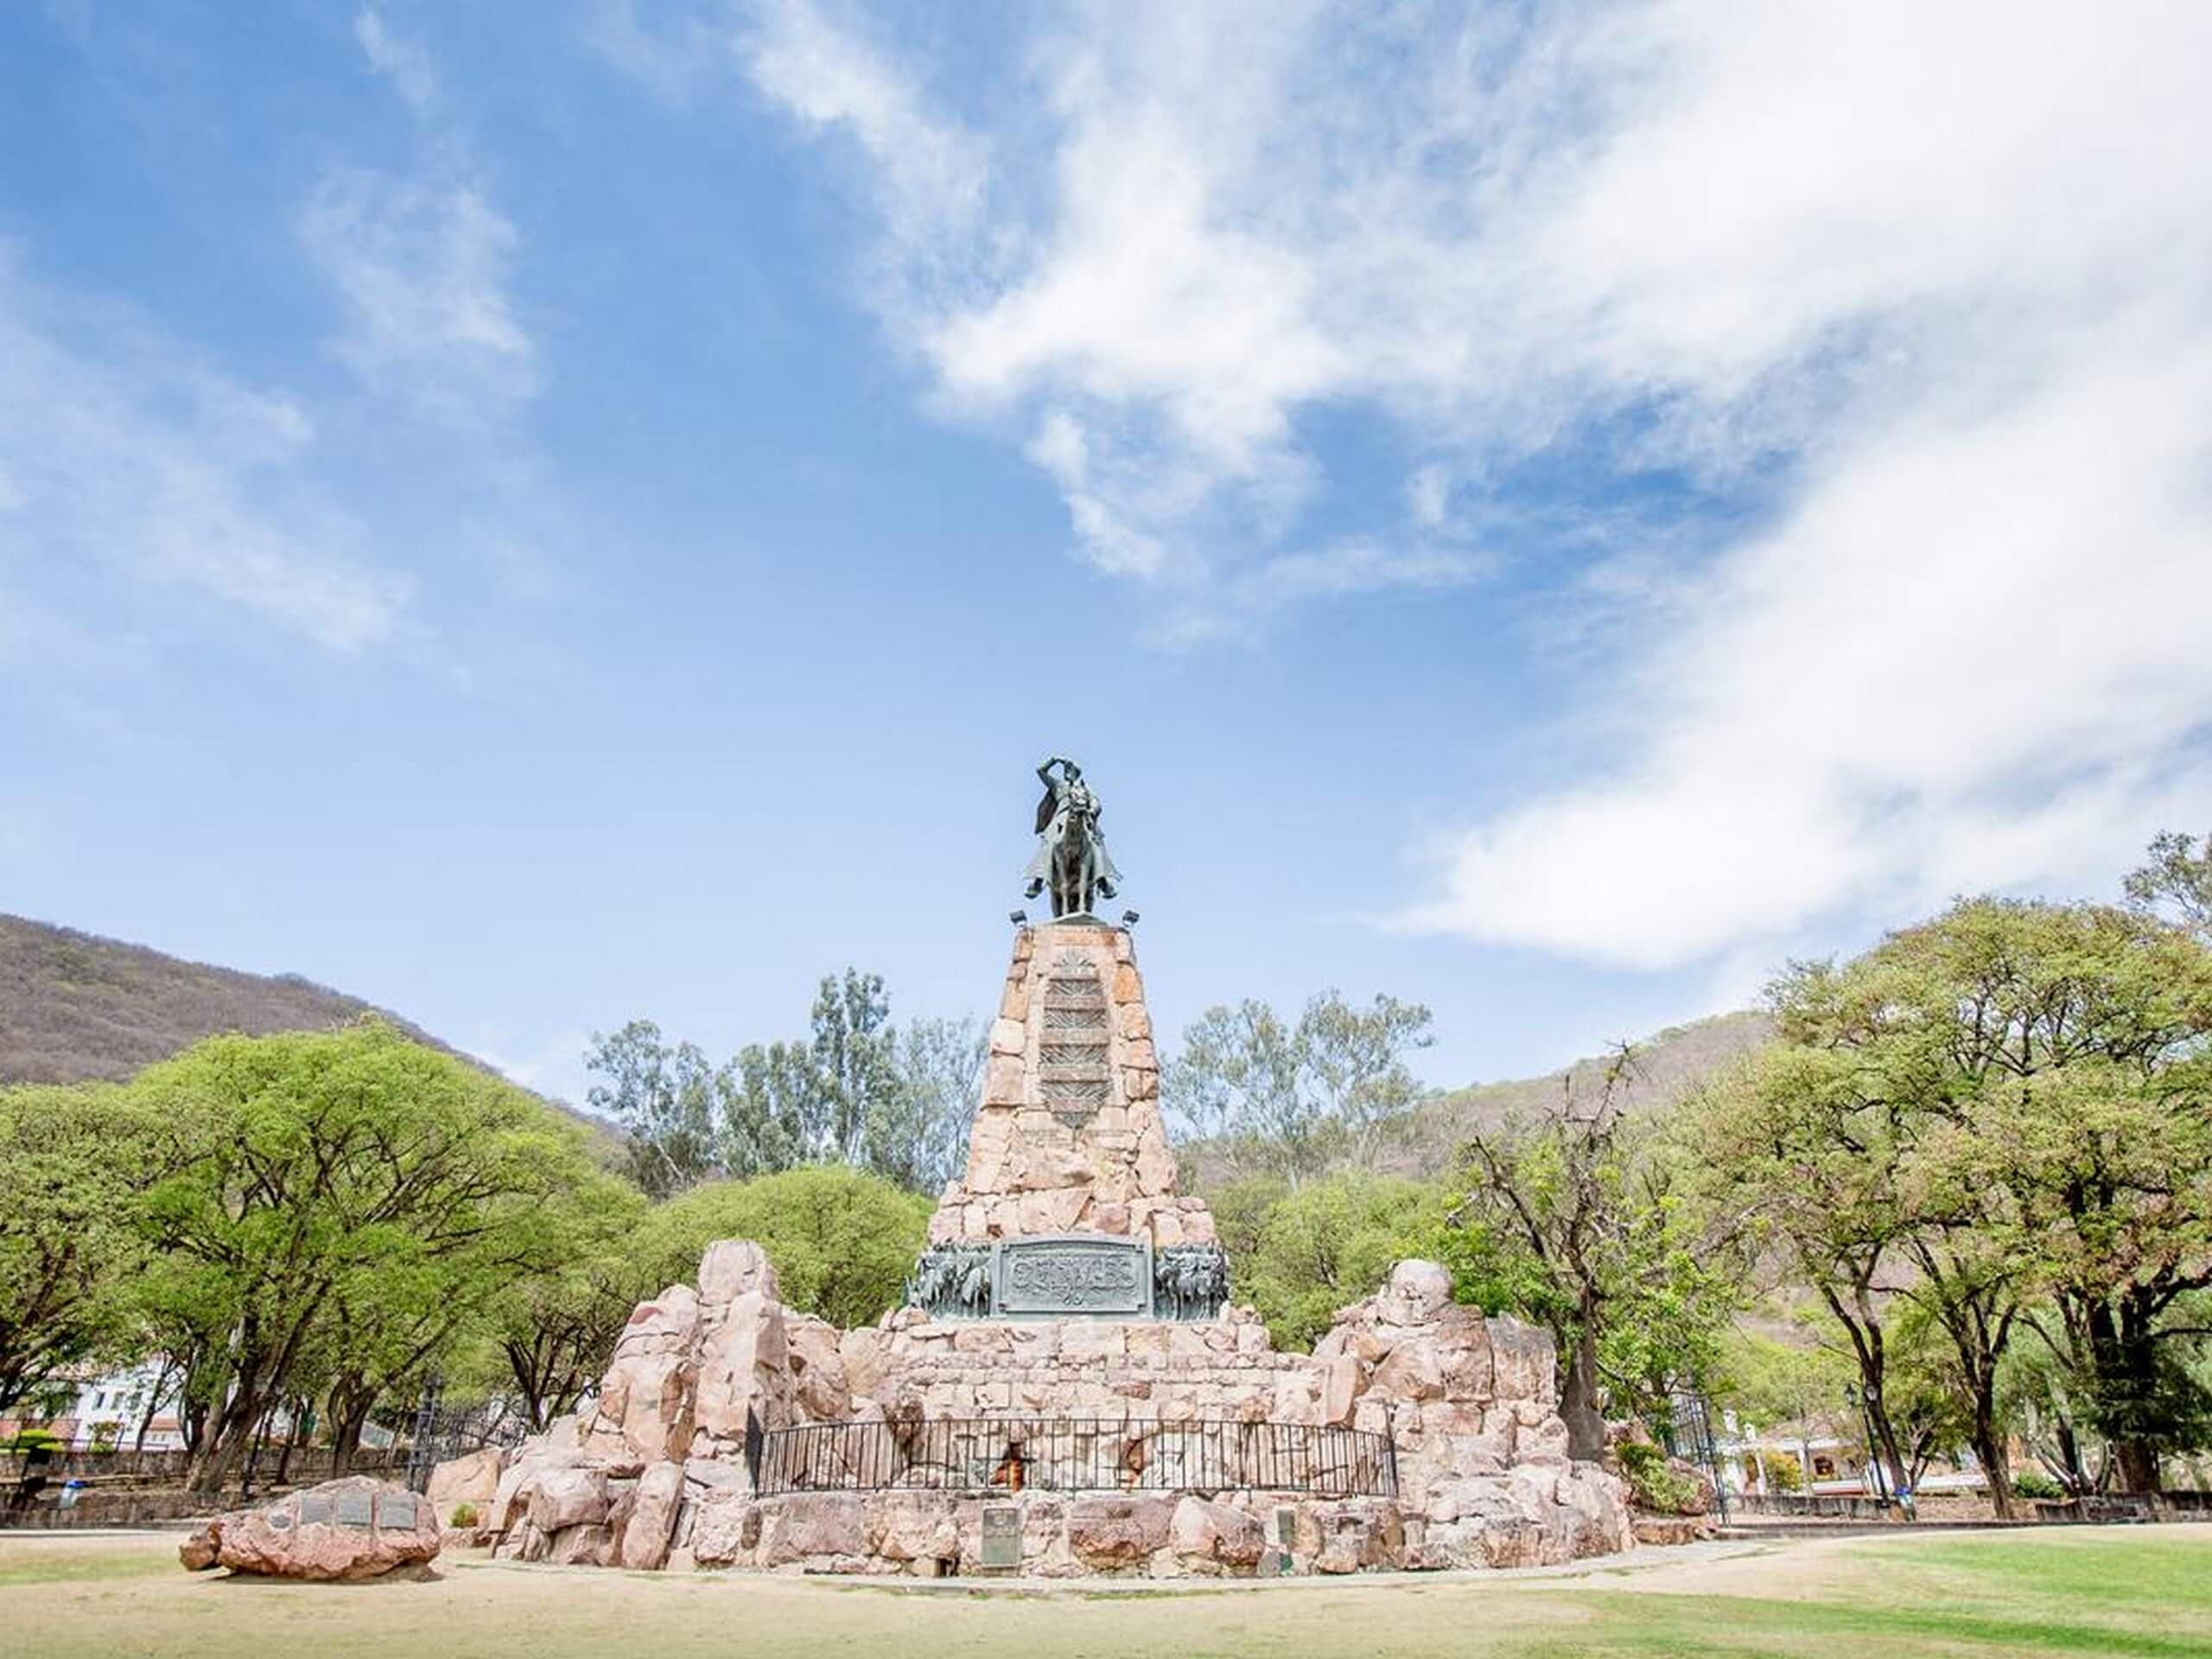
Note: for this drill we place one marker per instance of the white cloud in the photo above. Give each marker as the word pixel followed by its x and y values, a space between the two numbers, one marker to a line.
pixel 123 450
pixel 1428 496
pixel 1357 568
pixel 1916 292
pixel 403 62
pixel 930 171
pixel 420 265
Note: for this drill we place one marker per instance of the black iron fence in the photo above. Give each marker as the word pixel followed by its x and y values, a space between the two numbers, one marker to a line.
pixel 442 1433
pixel 1065 1454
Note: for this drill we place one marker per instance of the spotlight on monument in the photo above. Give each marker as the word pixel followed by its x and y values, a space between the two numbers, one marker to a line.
pixel 1017 916
pixel 1128 918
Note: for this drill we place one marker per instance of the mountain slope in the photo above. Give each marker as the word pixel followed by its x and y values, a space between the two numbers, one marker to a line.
pixel 75 1007
pixel 1661 1068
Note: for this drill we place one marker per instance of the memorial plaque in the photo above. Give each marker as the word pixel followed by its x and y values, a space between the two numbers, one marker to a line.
pixel 356 1509
pixel 1002 1536
pixel 1073 1059
pixel 395 1509
pixel 1286 1525
pixel 1079 1273
pixel 315 1509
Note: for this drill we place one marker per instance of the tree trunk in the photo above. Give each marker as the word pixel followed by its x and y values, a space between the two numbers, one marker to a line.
pixel 2139 1466
pixel 226 1439
pixel 350 1404
pixel 1578 1399
pixel 154 1403
pixel 1989 1447
pixel 531 1382
pixel 259 1444
pixel 2125 1362
pixel 298 1411
pixel 1864 1330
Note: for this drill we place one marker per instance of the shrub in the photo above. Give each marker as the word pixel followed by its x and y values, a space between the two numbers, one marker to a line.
pixel 843 1241
pixel 1783 1473
pixel 464 1516
pixel 2033 1483
pixel 1657 1486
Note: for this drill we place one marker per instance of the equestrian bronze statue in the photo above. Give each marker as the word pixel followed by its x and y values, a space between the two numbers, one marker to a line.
pixel 1071 857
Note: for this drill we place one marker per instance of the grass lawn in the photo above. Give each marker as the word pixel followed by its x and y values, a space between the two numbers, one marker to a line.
pixel 2119 1590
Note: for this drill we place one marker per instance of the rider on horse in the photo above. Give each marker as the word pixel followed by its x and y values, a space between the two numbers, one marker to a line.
pixel 1068 838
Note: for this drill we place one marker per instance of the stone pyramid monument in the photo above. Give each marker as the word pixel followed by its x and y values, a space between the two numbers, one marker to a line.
pixel 1068 1206
pixel 1065 1390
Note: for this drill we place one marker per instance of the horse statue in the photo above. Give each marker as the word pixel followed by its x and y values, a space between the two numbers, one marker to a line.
pixel 951 1281
pixel 1190 1281
pixel 1071 857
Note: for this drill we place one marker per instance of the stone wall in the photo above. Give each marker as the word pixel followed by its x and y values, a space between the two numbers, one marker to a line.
pixel 656 1470
pixel 1068 1137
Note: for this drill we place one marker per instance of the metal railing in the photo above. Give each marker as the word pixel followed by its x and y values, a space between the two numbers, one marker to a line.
pixel 1070 1455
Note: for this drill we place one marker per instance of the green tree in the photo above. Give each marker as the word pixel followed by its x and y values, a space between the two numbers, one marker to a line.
pixel 916 1132
pixel 769 1095
pixel 1323 1245
pixel 665 1100
pixel 350 1189
pixel 1776 1383
pixel 553 1331
pixel 1814 1165
pixel 2176 881
pixel 1299 1097
pixel 843 1241
pixel 856 1064
pixel 2007 1103
pixel 1584 1221
pixel 71 1163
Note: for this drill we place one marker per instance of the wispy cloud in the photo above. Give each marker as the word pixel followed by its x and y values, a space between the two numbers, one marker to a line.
pixel 421 267
pixel 404 62
pixel 422 262
pixel 123 448
pixel 1915 294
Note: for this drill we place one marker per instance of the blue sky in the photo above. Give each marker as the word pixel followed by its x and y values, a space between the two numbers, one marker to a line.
pixel 538 514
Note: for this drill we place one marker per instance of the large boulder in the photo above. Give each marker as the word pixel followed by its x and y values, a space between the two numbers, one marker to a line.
pixel 471 1479
pixel 732 1267
pixel 1109 1534
pixel 820 1389
pixel 645 1398
pixel 652 1522
pixel 744 1369
pixel 813 1525
pixel 1209 1537
pixel 569 1497
pixel 353 1528
pixel 1415 1294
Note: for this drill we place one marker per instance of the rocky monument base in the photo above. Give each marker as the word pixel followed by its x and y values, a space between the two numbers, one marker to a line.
pixel 1068 1392
pixel 1171 1437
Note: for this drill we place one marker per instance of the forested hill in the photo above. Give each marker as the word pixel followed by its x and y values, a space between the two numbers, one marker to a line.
pixel 74 1007
pixel 1661 1068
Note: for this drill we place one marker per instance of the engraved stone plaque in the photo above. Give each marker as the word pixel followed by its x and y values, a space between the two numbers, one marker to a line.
pixel 1286 1525
pixel 354 1510
pixel 1078 1274
pixel 395 1509
pixel 1073 1059
pixel 315 1509
pixel 1002 1536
